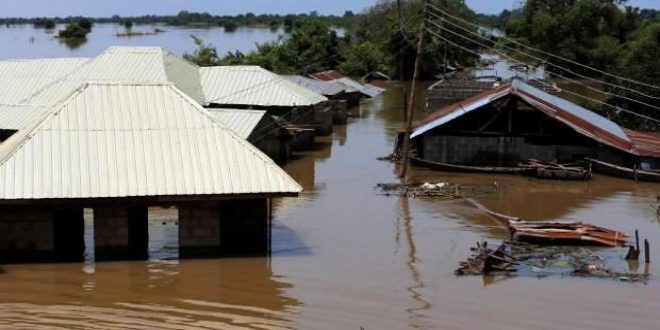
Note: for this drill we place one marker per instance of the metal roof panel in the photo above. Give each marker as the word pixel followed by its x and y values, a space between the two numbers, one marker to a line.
pixel 242 122
pixel 253 86
pixel 109 140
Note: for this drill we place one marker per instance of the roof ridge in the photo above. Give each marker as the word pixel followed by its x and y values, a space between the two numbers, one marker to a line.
pixel 18 140
pixel 249 146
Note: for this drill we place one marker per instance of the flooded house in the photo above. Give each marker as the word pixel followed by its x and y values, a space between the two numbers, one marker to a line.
pixel 121 154
pixel 255 88
pixel 515 122
pixel 19 79
pixel 334 90
pixel 258 128
pixel 377 78
pixel 367 90
pixel 44 82
pixel 139 64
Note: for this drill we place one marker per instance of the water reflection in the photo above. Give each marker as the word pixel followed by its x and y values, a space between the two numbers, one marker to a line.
pixel 71 43
pixel 28 42
pixel 417 312
pixel 165 294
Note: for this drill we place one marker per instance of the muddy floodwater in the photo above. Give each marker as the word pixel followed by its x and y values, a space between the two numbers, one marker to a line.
pixel 346 257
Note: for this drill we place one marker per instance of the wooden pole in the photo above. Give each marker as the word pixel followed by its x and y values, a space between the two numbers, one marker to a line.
pixel 411 101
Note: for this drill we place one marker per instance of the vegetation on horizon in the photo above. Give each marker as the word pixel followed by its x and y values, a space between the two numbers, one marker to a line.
pixel 373 41
pixel 604 34
pixel 77 30
pixel 186 18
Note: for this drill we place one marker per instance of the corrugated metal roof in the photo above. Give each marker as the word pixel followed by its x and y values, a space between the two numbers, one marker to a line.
pixel 242 122
pixel 21 78
pixel 645 143
pixel 254 86
pixel 336 76
pixel 136 64
pixel 372 90
pixel 580 119
pixel 109 140
pixel 144 64
pixel 326 88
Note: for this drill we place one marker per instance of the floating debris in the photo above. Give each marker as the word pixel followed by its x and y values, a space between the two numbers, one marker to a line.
pixel 444 190
pixel 556 232
pixel 524 259
pixel 556 171
pixel 565 233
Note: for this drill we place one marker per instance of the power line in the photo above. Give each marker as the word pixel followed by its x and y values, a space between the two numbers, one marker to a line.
pixel 547 84
pixel 550 73
pixel 561 68
pixel 547 53
pixel 402 27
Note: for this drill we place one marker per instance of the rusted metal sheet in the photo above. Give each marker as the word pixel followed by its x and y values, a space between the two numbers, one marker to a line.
pixel 555 232
pixel 645 143
pixel 562 233
pixel 327 75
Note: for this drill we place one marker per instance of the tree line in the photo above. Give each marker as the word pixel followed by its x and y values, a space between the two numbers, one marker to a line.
pixel 186 18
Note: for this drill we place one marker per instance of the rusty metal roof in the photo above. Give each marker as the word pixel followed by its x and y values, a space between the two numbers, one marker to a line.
pixel 580 119
pixel 646 144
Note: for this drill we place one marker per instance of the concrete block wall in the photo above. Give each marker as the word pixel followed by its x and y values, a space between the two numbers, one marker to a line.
pixel 26 230
pixel 110 227
pixel 199 225
pixel 477 150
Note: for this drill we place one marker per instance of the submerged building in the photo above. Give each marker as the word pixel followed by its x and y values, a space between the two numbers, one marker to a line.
pixel 516 122
pixel 259 128
pixel 120 154
pixel 367 90
pixel 29 87
pixel 255 88
pixel 335 90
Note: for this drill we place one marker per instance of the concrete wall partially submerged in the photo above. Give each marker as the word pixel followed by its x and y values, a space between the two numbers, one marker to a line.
pixel 32 233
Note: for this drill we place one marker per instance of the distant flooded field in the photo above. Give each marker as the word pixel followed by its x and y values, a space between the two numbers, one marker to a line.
pixel 346 257
pixel 24 41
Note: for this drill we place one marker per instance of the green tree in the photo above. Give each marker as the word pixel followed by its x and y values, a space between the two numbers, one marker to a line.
pixel 362 58
pixel 640 61
pixel 230 27
pixel 204 55
pixel 86 24
pixel 73 31
pixel 128 25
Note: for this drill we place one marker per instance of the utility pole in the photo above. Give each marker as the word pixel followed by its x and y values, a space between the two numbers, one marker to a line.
pixel 411 101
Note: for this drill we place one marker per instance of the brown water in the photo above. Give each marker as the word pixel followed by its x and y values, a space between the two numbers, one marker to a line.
pixel 346 257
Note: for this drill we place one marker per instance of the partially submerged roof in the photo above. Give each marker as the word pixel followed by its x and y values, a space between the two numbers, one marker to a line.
pixel 332 75
pixel 112 140
pixel 136 64
pixel 254 86
pixel 242 122
pixel 578 118
pixel 327 88
pixel 21 78
pixel 647 144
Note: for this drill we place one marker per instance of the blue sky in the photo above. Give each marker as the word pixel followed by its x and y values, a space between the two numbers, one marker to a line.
pixel 31 8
